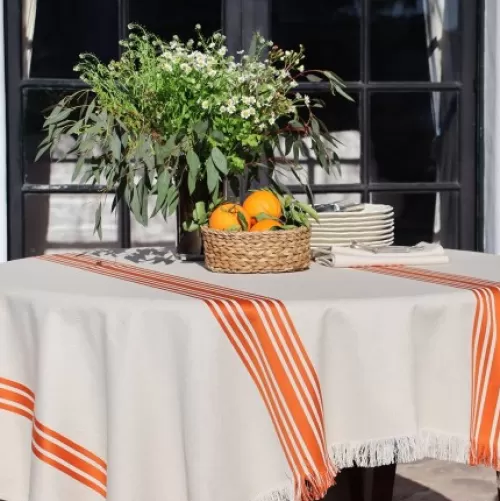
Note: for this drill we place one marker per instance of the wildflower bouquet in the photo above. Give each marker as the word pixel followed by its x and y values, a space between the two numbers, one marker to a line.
pixel 174 119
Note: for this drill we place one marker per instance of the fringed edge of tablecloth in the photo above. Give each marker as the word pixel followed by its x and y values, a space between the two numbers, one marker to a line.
pixel 427 444
pixel 284 493
pixel 369 454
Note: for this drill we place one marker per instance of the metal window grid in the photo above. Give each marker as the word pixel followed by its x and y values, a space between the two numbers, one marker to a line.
pixel 240 19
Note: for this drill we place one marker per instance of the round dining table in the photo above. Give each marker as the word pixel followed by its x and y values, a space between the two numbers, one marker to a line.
pixel 131 375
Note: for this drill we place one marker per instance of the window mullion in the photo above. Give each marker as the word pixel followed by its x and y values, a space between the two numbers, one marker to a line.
pixel 124 213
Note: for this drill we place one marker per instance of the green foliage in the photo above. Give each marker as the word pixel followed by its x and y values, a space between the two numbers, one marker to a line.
pixel 169 113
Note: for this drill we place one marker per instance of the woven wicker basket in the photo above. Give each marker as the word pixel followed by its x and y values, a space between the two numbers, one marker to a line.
pixel 259 252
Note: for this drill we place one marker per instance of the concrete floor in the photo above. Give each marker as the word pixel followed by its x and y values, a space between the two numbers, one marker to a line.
pixel 438 481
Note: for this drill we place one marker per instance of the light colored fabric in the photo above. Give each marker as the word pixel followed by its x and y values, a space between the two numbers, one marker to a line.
pixel 143 388
pixel 348 257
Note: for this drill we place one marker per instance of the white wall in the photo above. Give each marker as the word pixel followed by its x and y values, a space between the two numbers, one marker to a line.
pixel 3 149
pixel 492 127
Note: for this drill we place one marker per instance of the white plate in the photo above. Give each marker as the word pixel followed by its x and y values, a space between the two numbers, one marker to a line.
pixel 351 234
pixel 378 243
pixel 370 211
pixel 335 240
pixel 330 218
pixel 361 219
pixel 371 223
pixel 351 228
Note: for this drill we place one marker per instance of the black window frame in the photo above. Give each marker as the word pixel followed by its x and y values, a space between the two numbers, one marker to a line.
pixel 240 19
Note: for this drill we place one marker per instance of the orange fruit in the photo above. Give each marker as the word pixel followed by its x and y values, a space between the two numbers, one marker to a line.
pixel 262 202
pixel 225 217
pixel 265 225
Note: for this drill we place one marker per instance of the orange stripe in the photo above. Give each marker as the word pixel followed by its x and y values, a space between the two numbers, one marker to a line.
pixel 69 457
pixel 64 469
pixel 17 386
pixel 264 388
pixel 49 446
pixel 484 449
pixel 285 385
pixel 307 458
pixel 201 287
pixel 18 398
pixel 70 443
pixel 222 292
pixel 276 329
pixel 16 410
pixel 482 340
pixel 483 429
pixel 299 353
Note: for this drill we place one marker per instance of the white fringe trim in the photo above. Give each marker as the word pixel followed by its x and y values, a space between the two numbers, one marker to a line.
pixel 285 493
pixel 427 444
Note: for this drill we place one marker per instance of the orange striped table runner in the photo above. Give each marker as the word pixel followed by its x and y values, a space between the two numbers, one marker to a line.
pixel 264 336
pixel 485 339
pixel 51 447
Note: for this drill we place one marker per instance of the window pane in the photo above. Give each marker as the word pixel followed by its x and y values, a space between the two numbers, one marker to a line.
pixel 158 232
pixel 166 19
pixel 57 31
pixel 429 217
pixel 66 222
pixel 415 40
pixel 414 137
pixel 329 31
pixel 48 170
pixel 342 119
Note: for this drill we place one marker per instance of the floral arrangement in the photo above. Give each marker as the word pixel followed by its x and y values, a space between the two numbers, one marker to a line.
pixel 176 114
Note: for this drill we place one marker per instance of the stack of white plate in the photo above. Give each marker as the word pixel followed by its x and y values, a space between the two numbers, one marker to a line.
pixel 371 226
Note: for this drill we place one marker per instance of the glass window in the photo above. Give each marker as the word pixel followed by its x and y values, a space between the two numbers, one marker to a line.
pixel 66 222
pixel 48 170
pixel 166 19
pixel 414 137
pixel 55 32
pixel 342 119
pixel 158 232
pixel 429 217
pixel 329 31
pixel 415 40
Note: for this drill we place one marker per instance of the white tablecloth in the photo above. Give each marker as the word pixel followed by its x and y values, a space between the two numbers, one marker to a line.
pixel 138 394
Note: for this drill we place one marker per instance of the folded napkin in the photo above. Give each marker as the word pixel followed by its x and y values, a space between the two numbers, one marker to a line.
pixel 346 257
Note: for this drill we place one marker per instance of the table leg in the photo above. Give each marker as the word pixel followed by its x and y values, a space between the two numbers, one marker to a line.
pixel 383 483
pixel 364 484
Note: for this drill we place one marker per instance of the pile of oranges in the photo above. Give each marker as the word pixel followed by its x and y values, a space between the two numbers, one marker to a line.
pixel 261 211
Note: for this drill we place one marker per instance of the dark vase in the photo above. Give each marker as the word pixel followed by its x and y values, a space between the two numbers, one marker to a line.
pixel 189 243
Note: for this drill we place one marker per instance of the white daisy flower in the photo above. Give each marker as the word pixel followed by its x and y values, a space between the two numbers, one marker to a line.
pixel 222 51
pixel 205 104
pixel 248 100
